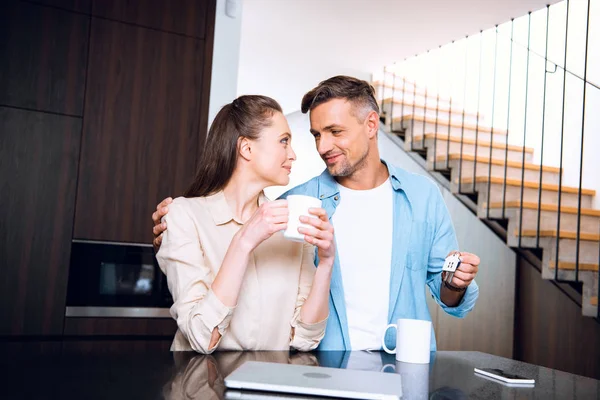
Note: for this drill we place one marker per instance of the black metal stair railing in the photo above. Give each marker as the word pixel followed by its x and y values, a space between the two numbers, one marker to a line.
pixel 550 67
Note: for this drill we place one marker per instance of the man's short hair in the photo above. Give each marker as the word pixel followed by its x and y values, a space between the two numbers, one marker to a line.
pixel 360 93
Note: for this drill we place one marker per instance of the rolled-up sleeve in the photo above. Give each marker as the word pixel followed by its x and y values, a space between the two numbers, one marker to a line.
pixel 444 241
pixel 196 308
pixel 306 337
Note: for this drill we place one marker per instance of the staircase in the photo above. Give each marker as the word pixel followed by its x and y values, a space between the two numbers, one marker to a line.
pixel 501 179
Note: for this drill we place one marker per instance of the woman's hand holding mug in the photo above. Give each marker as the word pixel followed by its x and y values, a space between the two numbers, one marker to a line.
pixel 271 217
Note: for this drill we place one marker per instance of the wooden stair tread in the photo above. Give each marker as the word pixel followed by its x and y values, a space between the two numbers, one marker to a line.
pixel 591 237
pixel 445 110
pixel 412 89
pixel 398 77
pixel 481 143
pixel 571 267
pixel 546 207
pixel 530 185
pixel 471 127
pixel 498 161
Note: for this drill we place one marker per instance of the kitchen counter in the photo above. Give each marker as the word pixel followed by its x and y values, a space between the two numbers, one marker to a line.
pixel 129 370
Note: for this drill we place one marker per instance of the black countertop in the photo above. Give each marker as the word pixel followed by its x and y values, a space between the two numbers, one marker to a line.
pixel 98 370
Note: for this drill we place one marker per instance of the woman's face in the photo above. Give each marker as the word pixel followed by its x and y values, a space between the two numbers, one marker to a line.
pixel 272 153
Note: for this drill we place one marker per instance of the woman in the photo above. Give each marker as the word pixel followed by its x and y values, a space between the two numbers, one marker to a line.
pixel 237 284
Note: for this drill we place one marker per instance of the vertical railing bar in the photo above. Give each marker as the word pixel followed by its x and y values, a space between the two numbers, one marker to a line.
pixel 424 117
pixel 435 135
pixel 562 136
pixel 492 123
pixel 478 107
pixel 539 205
pixel 525 130
pixel 425 109
pixel 437 111
pixel 412 117
pixel 449 138
pixel 383 91
pixel 392 99
pixel 512 31
pixel 462 129
pixel 585 70
pixel 403 96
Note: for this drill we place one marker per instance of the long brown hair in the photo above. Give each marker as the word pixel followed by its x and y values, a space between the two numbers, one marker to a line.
pixel 245 117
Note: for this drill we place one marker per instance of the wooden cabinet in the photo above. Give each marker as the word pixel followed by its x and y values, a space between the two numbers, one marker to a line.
pixel 38 158
pixel 184 17
pixel 81 6
pixel 142 125
pixel 43 55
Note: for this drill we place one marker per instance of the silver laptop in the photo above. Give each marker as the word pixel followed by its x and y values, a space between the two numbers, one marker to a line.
pixel 314 381
pixel 231 394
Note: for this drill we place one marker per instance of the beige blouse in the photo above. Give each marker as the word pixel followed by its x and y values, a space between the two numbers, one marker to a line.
pixel 277 281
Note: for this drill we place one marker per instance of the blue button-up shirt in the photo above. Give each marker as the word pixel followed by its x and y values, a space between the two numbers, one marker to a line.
pixel 423 235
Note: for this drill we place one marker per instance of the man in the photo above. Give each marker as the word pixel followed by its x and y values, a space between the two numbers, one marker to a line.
pixel 393 230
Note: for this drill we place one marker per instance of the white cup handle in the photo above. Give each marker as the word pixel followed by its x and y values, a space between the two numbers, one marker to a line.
pixel 383 339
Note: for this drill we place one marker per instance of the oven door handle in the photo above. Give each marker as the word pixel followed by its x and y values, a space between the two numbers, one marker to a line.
pixel 118 312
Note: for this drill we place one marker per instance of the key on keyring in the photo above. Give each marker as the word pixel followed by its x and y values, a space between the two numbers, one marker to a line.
pixel 450 266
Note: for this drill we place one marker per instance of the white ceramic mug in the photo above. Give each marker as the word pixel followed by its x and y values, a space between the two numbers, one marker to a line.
pixel 413 340
pixel 298 205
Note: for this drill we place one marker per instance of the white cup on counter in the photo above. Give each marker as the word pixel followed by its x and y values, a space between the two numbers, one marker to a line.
pixel 413 341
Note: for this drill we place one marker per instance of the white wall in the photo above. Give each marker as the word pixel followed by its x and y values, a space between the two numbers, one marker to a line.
pixel 288 46
pixel 226 56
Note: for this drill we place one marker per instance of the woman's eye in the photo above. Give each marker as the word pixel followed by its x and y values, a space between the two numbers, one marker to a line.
pixel 285 140
pixel 335 132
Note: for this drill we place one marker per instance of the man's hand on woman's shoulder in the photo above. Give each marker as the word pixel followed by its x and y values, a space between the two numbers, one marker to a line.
pixel 159 227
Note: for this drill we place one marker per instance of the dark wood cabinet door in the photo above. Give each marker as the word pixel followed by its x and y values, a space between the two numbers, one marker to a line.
pixel 185 17
pixel 38 171
pixel 81 6
pixel 141 128
pixel 43 56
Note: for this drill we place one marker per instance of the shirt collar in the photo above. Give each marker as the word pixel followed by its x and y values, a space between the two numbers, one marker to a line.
pixel 220 210
pixel 396 175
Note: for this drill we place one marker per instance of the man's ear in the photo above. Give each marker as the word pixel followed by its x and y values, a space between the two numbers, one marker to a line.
pixel 372 122
pixel 244 148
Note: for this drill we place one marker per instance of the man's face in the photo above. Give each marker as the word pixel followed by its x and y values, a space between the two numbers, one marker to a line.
pixel 342 140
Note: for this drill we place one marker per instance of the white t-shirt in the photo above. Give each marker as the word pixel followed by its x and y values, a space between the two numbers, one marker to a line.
pixel 363 222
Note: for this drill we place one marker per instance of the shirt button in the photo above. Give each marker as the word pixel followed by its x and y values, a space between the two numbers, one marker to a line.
pixel 336 198
pixel 322 196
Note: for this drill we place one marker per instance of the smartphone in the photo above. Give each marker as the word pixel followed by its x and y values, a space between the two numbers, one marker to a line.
pixel 504 377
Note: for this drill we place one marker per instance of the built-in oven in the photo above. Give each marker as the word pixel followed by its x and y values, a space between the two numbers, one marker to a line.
pixel 116 280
